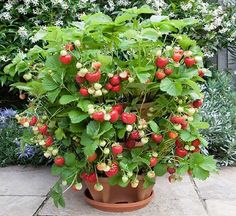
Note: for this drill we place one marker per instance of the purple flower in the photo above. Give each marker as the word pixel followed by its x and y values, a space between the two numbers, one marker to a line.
pixel 28 151
pixel 7 113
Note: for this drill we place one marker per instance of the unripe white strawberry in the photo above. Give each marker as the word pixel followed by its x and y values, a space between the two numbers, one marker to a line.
pixel 198 59
pixel 188 53
pixel 77 43
pixel 155 154
pixel 176 49
pixel 180 109
pixel 107 117
pixel 40 137
pixel 151 109
pixel 101 166
pixel 98 187
pixel 91 110
pixel 78 65
pixel 191 111
pixel 98 93
pixel 27 76
pixel 190 118
pixel 159 53
pixel 141 133
pixel 50 148
pixel 90 106
pixel 123 74
pixel 63 53
pixel 149 114
pixel 106 151
pixel 180 101
pixel 42 143
pixel 177 126
pixel 78 186
pixel 191 148
pixel 97 86
pixel 102 143
pixel 186 147
pixel 151 174
pixel 35 128
pixel 110 75
pixel 176 64
pixel 106 168
pixel 44 117
pixel 140 127
pixel 129 174
pixel 26 124
pixel 129 128
pixel 131 79
pixel 54 152
pixel 91 90
pixel 168 48
pixel 125 178
pixel 144 140
pixel 64 183
pixel 82 72
pixel 47 154
pixel 104 91
pixel 134 183
pixel 17 116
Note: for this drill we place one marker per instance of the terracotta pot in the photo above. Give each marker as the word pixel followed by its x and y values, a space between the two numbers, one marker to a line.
pixel 119 195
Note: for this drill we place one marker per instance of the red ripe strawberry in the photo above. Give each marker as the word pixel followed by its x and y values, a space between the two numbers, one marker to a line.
pixel 176 57
pixel 160 75
pixel 108 86
pixel 116 88
pixel 157 138
pixel 92 157
pixel 98 116
pixel 189 62
pixel 172 134
pixel 134 135
pixel 114 116
pixel 184 125
pixel 84 176
pixel 168 71
pixel 69 47
pixel 153 161
pixel 73 187
pixel 117 149
pixel 190 172
pixel 43 129
pixel 118 108
pixel 171 178
pixel 59 161
pixel 181 152
pixel 65 59
pixel 33 121
pixel 178 144
pixel 200 73
pixel 161 62
pixel 197 103
pixel 130 144
pixel 181 52
pixel 79 79
pixel 113 171
pixel 171 170
pixel 115 80
pixel 128 118
pixel 84 91
pixel 49 141
pixel 96 65
pixel 92 178
pixel 93 77
pixel 196 150
pixel 196 143
pixel 177 120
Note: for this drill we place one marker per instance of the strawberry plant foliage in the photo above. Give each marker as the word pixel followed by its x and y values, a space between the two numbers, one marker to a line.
pixel 118 98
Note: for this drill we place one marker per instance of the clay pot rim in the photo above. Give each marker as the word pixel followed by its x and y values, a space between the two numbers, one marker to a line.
pixel 118 207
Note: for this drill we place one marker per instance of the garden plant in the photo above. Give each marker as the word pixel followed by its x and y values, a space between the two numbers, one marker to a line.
pixel 117 98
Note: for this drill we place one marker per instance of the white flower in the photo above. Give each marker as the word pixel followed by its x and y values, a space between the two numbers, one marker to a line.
pixel 59 23
pixel 22 10
pixel 8 6
pixel 6 16
pixel 22 31
pixel 186 7
pixel 4 58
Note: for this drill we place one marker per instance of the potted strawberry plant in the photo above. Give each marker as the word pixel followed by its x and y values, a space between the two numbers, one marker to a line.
pixel 115 103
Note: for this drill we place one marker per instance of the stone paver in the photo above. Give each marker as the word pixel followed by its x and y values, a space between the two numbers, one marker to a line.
pixel 178 199
pixel 219 192
pixel 24 192
pixel 18 180
pixel 23 189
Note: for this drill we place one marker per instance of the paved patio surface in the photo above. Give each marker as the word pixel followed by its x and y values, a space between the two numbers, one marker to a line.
pixel 24 192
